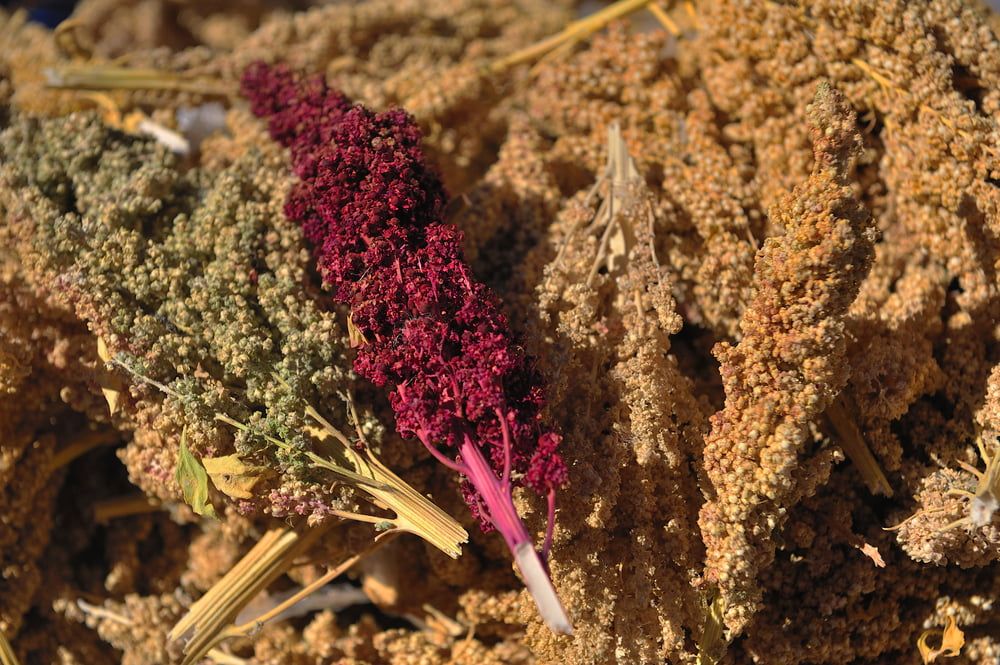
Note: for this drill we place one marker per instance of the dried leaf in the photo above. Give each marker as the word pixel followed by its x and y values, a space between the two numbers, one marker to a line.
pixel 872 553
pixel 952 641
pixel 623 171
pixel 193 480
pixel 354 336
pixel 110 386
pixel 232 477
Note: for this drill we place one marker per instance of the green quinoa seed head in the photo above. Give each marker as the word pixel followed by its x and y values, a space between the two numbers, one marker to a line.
pixel 194 279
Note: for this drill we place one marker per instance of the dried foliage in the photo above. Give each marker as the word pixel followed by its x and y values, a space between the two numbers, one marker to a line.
pixel 754 254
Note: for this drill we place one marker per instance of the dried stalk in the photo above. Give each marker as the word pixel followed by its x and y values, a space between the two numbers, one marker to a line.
pixel 209 622
pixel 91 76
pixel 124 506
pixel 850 439
pixel 82 445
pixel 571 34
pixel 7 656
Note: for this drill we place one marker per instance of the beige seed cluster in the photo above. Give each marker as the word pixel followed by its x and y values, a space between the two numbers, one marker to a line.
pixel 813 219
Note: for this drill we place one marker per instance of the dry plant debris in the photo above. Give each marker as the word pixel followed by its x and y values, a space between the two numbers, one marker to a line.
pixel 753 247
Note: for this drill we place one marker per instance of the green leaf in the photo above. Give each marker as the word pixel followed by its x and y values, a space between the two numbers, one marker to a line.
pixel 193 480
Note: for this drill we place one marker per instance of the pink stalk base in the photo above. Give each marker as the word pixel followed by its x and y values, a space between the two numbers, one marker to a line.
pixel 499 504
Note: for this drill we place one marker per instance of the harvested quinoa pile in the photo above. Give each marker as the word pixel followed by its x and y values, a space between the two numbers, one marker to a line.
pixel 482 332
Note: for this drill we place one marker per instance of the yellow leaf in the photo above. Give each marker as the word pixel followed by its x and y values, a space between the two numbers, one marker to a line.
pixel 952 641
pixel 130 121
pixel 111 387
pixel 102 350
pixel 111 113
pixel 232 477
pixel 318 432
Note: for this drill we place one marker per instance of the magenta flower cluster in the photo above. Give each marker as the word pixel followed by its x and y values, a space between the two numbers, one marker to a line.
pixel 434 335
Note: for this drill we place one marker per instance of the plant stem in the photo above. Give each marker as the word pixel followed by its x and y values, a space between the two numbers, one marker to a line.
pixel 574 32
pixel 111 77
pixel 7 656
pixel 251 626
pixel 850 439
pixel 501 512
pixel 124 506
pixel 82 445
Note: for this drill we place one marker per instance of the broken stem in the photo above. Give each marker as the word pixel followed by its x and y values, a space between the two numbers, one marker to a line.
pixel 82 445
pixel 203 627
pixel 253 625
pixel 124 506
pixel 850 439
pixel 414 512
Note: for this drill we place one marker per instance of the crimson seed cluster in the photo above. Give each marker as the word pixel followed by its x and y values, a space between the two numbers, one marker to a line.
pixel 372 208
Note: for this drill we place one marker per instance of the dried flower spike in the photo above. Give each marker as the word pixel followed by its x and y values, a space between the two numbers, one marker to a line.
pixel 788 367
pixel 431 331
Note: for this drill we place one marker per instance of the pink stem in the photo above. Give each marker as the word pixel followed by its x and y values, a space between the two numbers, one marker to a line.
pixel 549 525
pixel 498 500
pixel 500 509
pixel 439 456
pixel 507 445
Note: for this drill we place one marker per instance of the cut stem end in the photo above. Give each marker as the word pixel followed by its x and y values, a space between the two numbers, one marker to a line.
pixel 499 505
pixel 539 585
